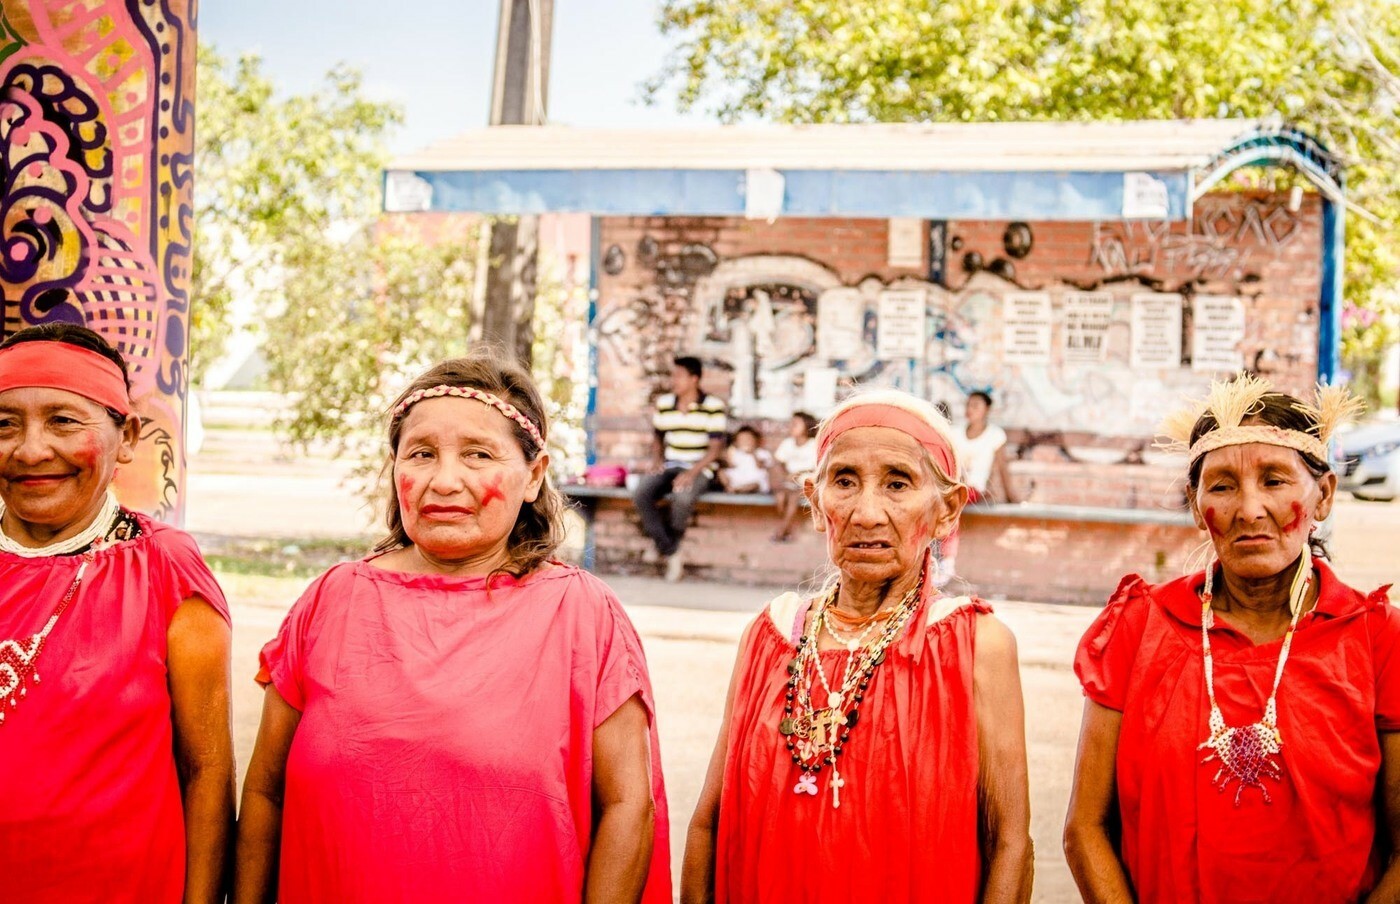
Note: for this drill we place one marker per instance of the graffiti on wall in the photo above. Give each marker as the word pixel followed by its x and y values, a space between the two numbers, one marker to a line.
pixel 96 176
pixel 1224 240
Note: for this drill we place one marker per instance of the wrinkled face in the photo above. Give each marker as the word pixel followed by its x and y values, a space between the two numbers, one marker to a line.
pixel 878 501
pixel 58 453
pixel 461 478
pixel 1259 503
pixel 976 409
pixel 745 441
pixel 683 382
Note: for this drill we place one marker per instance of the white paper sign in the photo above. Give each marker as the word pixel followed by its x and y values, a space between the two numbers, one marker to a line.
pixel 1025 332
pixel 1156 328
pixel 1144 197
pixel 763 194
pixel 406 192
pixel 819 389
pixel 906 242
pixel 1087 316
pixel 1217 328
pixel 900 330
pixel 840 325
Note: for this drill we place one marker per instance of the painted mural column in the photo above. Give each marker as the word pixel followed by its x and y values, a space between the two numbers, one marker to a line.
pixel 96 185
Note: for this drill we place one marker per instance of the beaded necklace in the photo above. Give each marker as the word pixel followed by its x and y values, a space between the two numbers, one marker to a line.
pixel 18 658
pixel 815 736
pixel 1248 754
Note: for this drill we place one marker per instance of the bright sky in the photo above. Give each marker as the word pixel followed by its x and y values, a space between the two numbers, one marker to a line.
pixel 434 57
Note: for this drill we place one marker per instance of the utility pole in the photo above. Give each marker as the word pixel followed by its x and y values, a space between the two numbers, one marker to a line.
pixel 503 309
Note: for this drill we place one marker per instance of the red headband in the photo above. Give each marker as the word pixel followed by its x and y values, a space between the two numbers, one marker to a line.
pixel 896 418
pixel 58 365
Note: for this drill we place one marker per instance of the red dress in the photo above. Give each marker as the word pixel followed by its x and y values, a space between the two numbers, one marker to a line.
pixel 1184 840
pixel 445 750
pixel 90 806
pixel 906 829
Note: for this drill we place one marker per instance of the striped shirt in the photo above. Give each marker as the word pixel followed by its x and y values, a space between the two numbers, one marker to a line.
pixel 686 433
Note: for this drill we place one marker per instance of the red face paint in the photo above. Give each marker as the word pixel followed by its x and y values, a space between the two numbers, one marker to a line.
pixel 405 489
pixel 1298 518
pixel 491 492
pixel 1210 522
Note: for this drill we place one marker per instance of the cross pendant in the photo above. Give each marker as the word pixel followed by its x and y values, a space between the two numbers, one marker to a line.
pixel 837 783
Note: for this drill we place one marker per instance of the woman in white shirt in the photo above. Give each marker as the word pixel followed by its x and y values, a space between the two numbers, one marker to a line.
pixel 796 458
pixel 981 447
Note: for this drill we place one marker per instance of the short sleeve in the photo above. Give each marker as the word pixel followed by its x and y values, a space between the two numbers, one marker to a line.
pixel 1384 621
pixel 188 572
pixel 622 669
pixel 718 416
pixel 1104 659
pixel 282 660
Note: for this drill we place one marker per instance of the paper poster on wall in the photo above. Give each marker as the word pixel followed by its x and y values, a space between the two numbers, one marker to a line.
pixel 1026 328
pixel 1145 197
pixel 906 242
pixel 899 333
pixel 1087 316
pixel 819 390
pixel 1217 328
pixel 1156 328
pixel 840 325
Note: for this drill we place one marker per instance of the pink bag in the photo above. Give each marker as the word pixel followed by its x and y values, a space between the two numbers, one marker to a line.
pixel 605 476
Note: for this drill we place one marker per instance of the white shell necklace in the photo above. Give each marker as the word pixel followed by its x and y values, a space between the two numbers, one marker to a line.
pixel 101 525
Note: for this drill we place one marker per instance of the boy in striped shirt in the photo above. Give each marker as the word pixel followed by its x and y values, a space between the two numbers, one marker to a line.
pixel 690 430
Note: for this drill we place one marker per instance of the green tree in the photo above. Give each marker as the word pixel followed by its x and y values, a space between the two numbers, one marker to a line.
pixel 1327 65
pixel 350 304
pixel 274 175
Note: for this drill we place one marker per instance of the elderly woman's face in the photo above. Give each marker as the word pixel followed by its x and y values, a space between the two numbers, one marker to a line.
pixel 1259 503
pixel 58 454
pixel 461 478
pixel 879 503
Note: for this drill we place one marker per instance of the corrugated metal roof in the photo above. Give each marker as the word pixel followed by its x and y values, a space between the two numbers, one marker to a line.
pixel 975 147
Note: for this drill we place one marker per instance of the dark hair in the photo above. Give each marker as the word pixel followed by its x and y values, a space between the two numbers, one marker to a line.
pixel 808 421
pixel 982 394
pixel 1276 409
pixel 539 528
pixel 690 364
pixel 80 337
pixel 746 428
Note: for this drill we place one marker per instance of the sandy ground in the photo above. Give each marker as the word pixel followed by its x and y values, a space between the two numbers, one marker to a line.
pixel 243 484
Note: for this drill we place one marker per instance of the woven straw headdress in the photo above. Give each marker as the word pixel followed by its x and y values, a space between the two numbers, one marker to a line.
pixel 1231 402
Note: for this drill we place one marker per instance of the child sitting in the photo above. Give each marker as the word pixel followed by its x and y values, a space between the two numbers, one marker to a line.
pixel 796 459
pixel 748 463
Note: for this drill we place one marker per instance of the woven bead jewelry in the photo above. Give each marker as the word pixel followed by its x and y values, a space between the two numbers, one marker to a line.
pixel 816 735
pixel 466 392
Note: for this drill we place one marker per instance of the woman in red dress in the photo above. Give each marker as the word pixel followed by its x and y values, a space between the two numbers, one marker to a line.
pixel 1238 742
pixel 873 742
pixel 457 717
pixel 116 764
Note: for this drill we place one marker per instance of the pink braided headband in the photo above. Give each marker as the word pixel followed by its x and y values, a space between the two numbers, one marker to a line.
pixel 466 392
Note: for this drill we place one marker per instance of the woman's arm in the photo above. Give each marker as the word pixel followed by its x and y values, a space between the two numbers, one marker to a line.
pixel 1387 891
pixel 260 819
pixel 620 855
pixel 1003 792
pixel 1093 809
pixel 1003 470
pixel 698 867
pixel 198 645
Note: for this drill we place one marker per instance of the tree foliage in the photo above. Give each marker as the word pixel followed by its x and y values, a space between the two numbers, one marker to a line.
pixel 349 304
pixel 1328 66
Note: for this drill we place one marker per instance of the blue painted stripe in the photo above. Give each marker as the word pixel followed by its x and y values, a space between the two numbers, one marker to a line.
pixel 1329 309
pixel 1038 195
